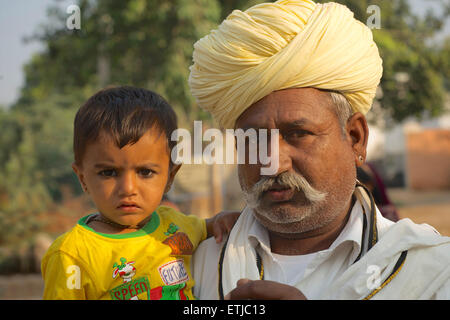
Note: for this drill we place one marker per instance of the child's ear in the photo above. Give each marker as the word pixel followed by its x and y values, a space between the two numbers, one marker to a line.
pixel 172 172
pixel 80 176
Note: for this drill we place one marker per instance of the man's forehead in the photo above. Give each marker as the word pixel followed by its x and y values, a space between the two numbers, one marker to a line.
pixel 300 106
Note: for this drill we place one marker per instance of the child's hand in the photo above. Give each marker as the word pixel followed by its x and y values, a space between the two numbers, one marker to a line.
pixel 221 224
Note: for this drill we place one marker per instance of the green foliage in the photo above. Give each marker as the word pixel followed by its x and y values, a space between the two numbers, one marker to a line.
pixel 35 158
pixel 228 6
pixel 145 43
pixel 443 61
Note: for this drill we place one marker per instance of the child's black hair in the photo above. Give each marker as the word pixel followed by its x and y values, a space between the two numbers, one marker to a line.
pixel 126 114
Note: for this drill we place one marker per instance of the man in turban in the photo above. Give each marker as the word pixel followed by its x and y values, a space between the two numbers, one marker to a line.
pixel 310 230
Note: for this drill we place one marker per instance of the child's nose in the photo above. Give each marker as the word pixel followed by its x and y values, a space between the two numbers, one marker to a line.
pixel 128 184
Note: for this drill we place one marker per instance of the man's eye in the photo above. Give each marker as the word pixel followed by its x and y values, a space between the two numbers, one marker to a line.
pixel 146 172
pixel 108 173
pixel 297 133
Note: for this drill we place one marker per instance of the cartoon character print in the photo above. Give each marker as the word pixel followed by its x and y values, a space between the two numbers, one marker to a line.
pixel 179 242
pixel 126 271
pixel 130 288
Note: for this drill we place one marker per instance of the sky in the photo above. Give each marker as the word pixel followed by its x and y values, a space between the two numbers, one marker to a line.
pixel 21 18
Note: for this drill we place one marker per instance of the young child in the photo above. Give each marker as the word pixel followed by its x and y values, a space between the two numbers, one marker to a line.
pixel 133 248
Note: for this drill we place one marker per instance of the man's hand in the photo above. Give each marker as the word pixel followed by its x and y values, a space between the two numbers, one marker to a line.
pixel 264 290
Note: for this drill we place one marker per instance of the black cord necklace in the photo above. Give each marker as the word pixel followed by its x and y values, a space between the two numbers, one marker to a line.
pixel 99 217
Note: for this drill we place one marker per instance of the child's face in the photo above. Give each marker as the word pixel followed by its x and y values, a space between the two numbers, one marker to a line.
pixel 126 184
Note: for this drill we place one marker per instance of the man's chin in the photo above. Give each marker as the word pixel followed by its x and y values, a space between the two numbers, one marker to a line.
pixel 282 213
pixel 285 208
pixel 280 227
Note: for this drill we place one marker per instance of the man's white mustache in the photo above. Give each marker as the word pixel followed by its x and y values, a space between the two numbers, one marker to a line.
pixel 289 180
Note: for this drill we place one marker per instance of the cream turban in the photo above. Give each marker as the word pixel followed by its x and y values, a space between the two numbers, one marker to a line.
pixel 286 44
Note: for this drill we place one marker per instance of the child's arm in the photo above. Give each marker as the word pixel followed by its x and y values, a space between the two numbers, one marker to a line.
pixel 221 224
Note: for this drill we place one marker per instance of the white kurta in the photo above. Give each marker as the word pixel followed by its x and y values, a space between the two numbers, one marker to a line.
pixel 332 273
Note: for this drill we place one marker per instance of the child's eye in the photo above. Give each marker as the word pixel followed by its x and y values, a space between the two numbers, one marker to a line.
pixel 146 172
pixel 108 173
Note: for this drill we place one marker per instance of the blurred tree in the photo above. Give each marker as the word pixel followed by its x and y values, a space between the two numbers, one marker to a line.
pixel 413 75
pixel 145 43
pixel 227 6
pixel 35 158
pixel 444 62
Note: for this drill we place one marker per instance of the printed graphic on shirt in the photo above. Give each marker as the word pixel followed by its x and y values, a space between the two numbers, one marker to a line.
pixel 172 229
pixel 127 271
pixel 174 292
pixel 179 242
pixel 131 288
pixel 173 272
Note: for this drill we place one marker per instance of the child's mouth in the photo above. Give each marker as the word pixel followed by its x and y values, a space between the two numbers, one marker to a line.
pixel 128 207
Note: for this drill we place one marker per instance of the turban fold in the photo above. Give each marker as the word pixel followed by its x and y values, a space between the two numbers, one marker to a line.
pixel 280 45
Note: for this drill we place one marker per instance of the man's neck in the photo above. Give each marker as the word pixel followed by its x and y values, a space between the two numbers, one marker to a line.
pixel 311 241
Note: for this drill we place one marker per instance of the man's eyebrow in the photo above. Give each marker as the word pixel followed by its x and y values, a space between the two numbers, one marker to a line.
pixel 295 123
pixel 280 124
pixel 250 127
pixel 300 122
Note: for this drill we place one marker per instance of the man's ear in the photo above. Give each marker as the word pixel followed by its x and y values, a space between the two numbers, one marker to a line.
pixel 79 172
pixel 358 132
pixel 172 172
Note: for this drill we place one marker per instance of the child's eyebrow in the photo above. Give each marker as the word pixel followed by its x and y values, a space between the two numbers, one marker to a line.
pixel 103 165
pixel 148 164
pixel 142 165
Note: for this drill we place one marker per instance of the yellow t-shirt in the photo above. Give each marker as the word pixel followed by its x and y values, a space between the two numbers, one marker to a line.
pixel 151 263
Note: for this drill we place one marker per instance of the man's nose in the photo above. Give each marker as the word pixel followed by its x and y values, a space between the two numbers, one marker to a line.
pixel 128 184
pixel 280 154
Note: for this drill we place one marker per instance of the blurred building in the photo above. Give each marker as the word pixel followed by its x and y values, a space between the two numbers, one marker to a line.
pixel 414 154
